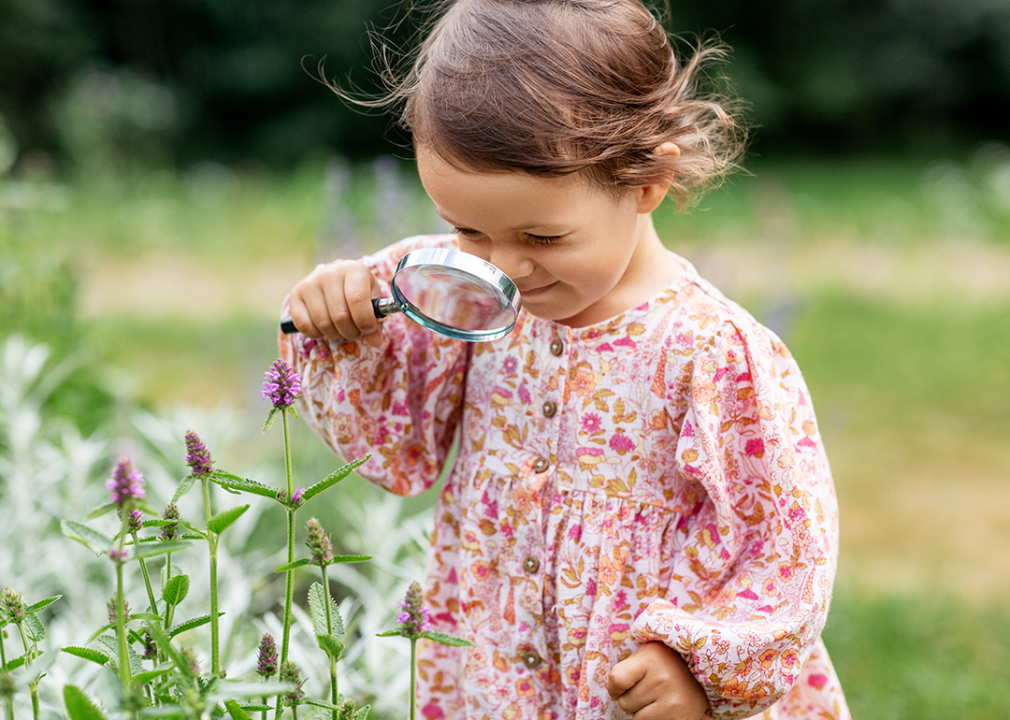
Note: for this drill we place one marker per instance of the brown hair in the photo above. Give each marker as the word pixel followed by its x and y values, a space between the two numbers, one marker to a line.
pixel 553 87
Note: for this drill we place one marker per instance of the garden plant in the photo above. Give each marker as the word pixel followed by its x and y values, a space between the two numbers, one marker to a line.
pixel 150 672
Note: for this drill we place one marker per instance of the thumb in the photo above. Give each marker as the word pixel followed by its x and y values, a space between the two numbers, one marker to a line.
pixel 625 674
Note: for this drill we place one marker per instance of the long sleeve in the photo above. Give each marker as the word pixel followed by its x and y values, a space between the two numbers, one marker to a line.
pixel 757 564
pixel 401 402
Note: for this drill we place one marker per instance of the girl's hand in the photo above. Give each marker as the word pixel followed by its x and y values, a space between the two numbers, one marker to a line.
pixel 654 683
pixel 335 301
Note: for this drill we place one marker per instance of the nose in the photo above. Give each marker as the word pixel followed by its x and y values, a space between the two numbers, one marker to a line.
pixel 510 261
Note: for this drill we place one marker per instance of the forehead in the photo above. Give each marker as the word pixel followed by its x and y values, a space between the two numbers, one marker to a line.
pixel 459 192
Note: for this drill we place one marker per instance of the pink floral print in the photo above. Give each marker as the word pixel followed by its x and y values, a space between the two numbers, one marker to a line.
pixel 656 477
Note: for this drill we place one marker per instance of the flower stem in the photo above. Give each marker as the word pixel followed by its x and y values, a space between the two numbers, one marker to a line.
pixel 413 678
pixel 212 539
pixel 289 583
pixel 9 707
pixel 329 631
pixel 147 576
pixel 169 608
pixel 33 686
pixel 124 655
pixel 3 653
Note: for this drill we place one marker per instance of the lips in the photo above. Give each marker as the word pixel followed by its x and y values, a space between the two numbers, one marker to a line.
pixel 529 292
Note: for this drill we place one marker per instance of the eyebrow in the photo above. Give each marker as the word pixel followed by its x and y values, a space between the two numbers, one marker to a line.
pixel 512 228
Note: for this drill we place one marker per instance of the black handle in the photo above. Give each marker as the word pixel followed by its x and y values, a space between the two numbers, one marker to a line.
pixel 288 325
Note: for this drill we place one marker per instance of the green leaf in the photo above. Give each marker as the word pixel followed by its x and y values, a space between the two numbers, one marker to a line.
pixel 100 511
pixel 149 675
pixel 317 609
pixel 294 566
pixel 362 712
pixel 88 536
pixel 176 590
pixel 330 645
pixel 165 711
pixel 395 632
pixel 334 477
pixel 191 624
pixel 270 418
pixel 236 712
pixel 79 705
pixel 165 645
pixel 350 558
pixel 256 708
pixel 111 645
pixel 234 689
pixel 184 487
pixel 234 482
pixel 446 639
pixel 144 506
pixel 320 703
pixel 157 522
pixel 87 653
pixel 35 607
pixel 34 628
pixel 16 662
pixel 220 522
pixel 145 616
pixel 159 548
pixel 95 635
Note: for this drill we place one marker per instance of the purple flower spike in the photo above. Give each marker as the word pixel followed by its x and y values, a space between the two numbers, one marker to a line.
pixel 117 555
pixel 111 605
pixel 126 483
pixel 150 647
pixel 171 514
pixel 298 497
pixel 266 665
pixel 197 455
pixel 414 620
pixel 12 605
pixel 319 543
pixel 281 386
pixel 135 523
pixel 291 674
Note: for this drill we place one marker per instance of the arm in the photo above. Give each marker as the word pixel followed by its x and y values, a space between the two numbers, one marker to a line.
pixel 395 392
pixel 758 559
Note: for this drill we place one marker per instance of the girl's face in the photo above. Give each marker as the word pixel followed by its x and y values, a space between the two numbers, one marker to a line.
pixel 578 254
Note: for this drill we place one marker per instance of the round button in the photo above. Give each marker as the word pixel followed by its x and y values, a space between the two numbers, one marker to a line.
pixel 541 464
pixel 549 408
pixel 531 565
pixel 556 347
pixel 532 659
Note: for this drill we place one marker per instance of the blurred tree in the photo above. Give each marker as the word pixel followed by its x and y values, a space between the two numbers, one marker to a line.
pixel 183 80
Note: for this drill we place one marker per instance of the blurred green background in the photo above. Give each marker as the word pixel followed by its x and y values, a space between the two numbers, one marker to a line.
pixel 168 170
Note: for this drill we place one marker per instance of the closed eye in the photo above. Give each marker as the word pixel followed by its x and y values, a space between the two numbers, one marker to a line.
pixel 467 232
pixel 543 239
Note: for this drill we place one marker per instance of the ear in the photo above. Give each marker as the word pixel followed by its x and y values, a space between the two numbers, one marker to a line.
pixel 653 194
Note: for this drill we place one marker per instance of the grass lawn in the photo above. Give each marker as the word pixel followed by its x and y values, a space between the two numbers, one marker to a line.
pixel 890 281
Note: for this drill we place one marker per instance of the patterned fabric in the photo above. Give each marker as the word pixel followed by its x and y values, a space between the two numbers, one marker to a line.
pixel 656 477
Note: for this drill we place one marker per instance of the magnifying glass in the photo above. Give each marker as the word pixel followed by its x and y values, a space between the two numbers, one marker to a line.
pixel 449 292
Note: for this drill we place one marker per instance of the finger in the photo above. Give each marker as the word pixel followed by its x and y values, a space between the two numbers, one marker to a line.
pixel 360 286
pixel 306 300
pixel 624 675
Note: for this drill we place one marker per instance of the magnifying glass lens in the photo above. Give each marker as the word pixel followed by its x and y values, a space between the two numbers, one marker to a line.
pixel 455 298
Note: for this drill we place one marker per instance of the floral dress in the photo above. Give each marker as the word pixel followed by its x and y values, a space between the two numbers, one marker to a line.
pixel 655 477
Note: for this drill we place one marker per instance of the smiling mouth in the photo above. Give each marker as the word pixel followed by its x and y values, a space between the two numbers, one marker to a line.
pixel 537 290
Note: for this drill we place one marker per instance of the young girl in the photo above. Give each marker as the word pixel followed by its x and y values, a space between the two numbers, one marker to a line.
pixel 641 520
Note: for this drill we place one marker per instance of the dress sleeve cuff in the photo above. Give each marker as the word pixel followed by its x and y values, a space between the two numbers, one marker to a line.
pixel 743 669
